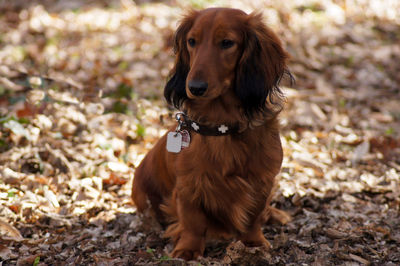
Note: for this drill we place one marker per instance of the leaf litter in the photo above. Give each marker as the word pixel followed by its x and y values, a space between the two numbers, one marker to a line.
pixel 81 104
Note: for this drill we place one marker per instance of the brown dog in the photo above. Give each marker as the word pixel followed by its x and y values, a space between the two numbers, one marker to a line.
pixel 219 183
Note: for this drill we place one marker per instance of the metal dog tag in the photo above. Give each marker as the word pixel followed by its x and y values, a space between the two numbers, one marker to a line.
pixel 174 142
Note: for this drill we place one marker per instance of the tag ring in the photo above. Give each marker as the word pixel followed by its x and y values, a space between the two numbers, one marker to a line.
pixel 178 116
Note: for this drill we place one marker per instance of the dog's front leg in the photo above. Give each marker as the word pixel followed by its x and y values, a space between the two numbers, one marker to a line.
pixel 191 230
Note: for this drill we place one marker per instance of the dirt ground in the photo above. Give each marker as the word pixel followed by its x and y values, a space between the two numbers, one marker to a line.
pixel 81 103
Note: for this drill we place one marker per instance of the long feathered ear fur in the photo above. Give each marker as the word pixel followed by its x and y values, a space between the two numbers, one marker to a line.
pixel 175 91
pixel 260 69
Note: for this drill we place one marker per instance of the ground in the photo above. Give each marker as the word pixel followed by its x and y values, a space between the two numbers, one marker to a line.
pixel 81 103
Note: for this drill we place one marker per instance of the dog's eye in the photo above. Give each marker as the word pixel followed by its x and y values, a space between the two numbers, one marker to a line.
pixel 226 44
pixel 191 42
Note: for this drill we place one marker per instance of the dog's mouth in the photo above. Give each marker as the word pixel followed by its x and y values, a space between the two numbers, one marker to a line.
pixel 191 96
pixel 208 92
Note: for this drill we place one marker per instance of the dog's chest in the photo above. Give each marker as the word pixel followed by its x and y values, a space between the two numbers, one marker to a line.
pixel 220 176
pixel 214 156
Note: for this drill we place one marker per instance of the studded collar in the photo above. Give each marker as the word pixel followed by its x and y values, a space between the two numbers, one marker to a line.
pixel 184 122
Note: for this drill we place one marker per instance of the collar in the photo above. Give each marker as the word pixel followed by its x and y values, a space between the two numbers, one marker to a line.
pixel 184 122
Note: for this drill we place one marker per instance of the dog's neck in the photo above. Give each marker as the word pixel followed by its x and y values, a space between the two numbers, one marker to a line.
pixel 224 109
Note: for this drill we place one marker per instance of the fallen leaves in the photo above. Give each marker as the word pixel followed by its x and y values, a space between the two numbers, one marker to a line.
pixel 10 231
pixel 237 253
pixel 114 180
pixel 70 142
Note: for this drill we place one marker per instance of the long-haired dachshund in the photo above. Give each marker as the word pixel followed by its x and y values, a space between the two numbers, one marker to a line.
pixel 213 174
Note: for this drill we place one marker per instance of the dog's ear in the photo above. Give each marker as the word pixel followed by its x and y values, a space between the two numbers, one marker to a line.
pixel 175 89
pixel 260 69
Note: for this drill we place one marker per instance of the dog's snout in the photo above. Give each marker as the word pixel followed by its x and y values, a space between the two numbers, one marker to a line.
pixel 197 87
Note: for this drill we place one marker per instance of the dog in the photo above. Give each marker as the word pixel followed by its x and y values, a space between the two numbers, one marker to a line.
pixel 212 175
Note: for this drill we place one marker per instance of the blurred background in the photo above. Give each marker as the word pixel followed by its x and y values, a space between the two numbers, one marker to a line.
pixel 81 85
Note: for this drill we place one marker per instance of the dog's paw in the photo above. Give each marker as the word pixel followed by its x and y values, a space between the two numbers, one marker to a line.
pixel 255 238
pixel 260 243
pixel 189 246
pixel 186 254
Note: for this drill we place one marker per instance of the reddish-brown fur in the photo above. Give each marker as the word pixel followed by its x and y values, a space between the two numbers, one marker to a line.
pixel 219 186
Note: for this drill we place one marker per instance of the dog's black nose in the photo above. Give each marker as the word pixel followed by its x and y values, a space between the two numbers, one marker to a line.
pixel 197 88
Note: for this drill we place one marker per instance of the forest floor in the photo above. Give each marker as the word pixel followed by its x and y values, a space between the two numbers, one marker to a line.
pixel 81 103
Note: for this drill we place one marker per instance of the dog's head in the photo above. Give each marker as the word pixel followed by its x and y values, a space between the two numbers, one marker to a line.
pixel 222 49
